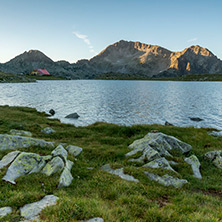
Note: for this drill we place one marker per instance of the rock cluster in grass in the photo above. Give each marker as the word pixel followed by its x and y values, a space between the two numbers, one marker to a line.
pixel 215 157
pixel 155 148
pixel 24 163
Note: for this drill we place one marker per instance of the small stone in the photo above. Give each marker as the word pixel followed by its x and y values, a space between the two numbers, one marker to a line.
pixel 168 124
pixel 73 116
pixel 31 211
pixel 6 160
pixel 74 150
pixel 52 112
pixel 118 172
pixel 166 180
pixel 54 166
pixel 213 154
pixel 4 211
pixel 48 130
pixel 61 152
pixel 195 164
pixel 20 133
pixel 96 219
pixel 197 119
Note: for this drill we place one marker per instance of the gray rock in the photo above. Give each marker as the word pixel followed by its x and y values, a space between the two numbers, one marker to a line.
pixel 20 133
pixel 4 211
pixel 171 162
pixel 31 211
pixel 197 119
pixel 118 172
pixel 156 145
pixel 25 163
pixel 195 164
pixel 6 160
pixel 52 112
pixel 66 176
pixel 215 158
pixel 48 130
pixel 159 163
pixel 54 166
pixel 168 124
pixel 215 133
pixel 72 116
pixel 61 152
pixel 15 142
pixel 96 219
pixel 166 180
pixel 213 154
pixel 74 150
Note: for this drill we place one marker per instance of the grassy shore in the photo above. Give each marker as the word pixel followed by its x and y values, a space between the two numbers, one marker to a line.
pixel 14 78
pixel 95 193
pixel 196 77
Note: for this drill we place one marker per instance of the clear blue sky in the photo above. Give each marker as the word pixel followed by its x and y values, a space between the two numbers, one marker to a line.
pixel 75 29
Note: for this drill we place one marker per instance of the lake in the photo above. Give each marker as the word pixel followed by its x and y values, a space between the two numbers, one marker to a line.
pixel 121 102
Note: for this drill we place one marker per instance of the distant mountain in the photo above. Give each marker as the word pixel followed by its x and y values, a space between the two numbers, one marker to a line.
pixel 134 59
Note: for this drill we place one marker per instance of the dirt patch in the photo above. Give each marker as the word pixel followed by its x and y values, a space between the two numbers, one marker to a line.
pixel 163 200
pixel 212 192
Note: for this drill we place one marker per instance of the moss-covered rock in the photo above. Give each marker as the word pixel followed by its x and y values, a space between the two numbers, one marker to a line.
pixel 74 150
pixel 66 176
pixel 6 160
pixel 195 164
pixel 20 133
pixel 166 180
pixel 15 142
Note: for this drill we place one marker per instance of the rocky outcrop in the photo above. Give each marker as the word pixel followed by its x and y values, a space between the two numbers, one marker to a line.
pixel 25 163
pixel 4 211
pixel 15 142
pixel 166 180
pixel 215 157
pixel 31 211
pixel 156 145
pixel 215 133
pixel 22 163
pixel 118 172
pixel 195 164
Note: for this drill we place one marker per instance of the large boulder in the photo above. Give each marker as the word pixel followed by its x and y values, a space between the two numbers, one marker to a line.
pixel 25 163
pixel 118 172
pixel 166 180
pixel 6 160
pixel 195 164
pixel 15 142
pixel 156 145
pixel 31 211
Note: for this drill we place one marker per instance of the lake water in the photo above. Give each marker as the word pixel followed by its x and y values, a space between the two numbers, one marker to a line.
pixel 121 102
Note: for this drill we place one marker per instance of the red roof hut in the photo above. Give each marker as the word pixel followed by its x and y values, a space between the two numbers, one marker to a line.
pixel 42 72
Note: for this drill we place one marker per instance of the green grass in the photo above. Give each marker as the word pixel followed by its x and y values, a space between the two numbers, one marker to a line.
pixel 194 77
pixel 94 193
pixel 14 78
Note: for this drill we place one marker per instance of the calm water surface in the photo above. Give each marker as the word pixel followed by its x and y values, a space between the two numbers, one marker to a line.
pixel 121 102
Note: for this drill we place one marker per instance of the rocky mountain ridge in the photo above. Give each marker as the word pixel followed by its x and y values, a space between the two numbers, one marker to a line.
pixel 133 58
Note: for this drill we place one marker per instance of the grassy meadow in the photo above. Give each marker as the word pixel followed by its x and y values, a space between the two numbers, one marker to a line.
pixel 95 193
